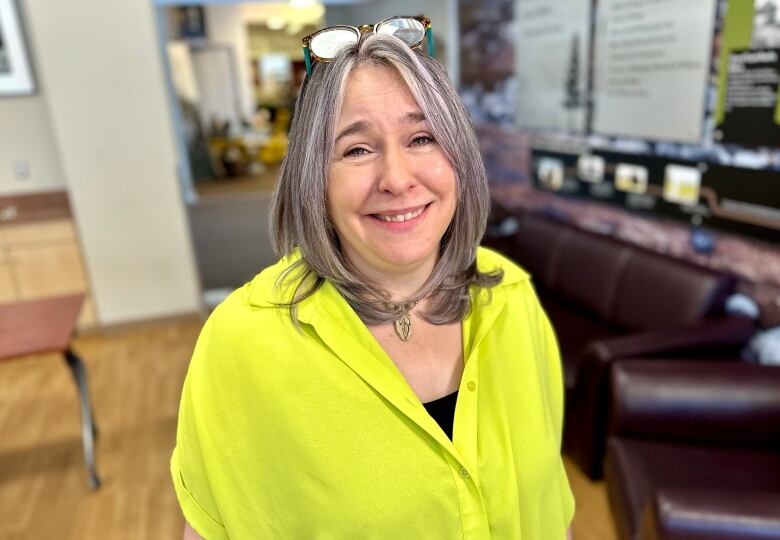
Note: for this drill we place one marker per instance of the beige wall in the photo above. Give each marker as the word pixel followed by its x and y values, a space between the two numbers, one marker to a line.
pixel 26 135
pixel 101 65
pixel 225 25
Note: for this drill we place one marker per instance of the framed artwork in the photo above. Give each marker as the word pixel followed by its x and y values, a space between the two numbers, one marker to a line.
pixel 15 73
pixel 192 22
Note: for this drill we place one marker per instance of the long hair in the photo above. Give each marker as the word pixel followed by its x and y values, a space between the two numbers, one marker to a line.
pixel 299 216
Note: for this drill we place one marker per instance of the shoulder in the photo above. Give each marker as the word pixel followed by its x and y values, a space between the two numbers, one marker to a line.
pixel 271 289
pixel 516 287
pixel 514 278
pixel 490 261
pixel 276 284
pixel 254 318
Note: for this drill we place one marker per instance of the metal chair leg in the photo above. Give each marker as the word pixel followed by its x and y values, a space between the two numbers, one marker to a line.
pixel 88 426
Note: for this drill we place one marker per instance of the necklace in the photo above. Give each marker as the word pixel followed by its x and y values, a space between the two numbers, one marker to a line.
pixel 403 325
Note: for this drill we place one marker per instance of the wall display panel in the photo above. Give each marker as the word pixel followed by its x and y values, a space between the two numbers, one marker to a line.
pixel 751 115
pixel 712 184
pixel 729 198
pixel 680 147
pixel 748 111
pixel 651 62
pixel 551 64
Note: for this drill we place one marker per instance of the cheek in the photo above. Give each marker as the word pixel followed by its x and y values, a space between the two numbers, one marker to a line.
pixel 440 168
pixel 344 196
pixel 443 180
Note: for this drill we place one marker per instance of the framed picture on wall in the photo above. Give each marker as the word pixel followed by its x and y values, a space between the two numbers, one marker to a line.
pixel 192 22
pixel 15 72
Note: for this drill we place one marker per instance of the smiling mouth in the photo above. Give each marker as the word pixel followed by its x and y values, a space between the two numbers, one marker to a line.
pixel 399 218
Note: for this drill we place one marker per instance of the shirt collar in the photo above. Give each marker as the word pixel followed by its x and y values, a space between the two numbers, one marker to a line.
pixel 341 330
pixel 268 292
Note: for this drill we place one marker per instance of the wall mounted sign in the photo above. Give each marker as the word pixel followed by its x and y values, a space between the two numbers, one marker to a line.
pixel 15 73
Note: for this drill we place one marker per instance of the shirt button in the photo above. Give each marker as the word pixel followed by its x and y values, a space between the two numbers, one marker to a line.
pixel 464 473
pixel 471 385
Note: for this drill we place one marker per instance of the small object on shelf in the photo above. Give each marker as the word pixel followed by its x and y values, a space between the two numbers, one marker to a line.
pixel 702 241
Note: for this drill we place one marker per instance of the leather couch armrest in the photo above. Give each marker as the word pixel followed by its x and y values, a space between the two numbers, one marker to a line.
pixel 587 419
pixel 718 403
pixel 727 331
pixel 687 514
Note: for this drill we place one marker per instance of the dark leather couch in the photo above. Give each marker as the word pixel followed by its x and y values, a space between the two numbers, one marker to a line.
pixel 608 299
pixel 694 450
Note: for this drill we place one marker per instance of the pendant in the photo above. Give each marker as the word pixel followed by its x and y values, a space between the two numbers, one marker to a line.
pixel 403 327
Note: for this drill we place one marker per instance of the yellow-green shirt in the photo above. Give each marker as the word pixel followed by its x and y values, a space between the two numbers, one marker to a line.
pixel 315 434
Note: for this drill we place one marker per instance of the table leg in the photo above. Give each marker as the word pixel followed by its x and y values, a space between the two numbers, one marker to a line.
pixel 88 427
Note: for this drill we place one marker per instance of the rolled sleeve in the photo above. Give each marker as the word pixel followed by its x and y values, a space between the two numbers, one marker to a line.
pixel 199 519
pixel 567 497
pixel 191 462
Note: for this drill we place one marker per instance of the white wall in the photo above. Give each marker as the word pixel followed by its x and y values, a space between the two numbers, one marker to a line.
pixel 226 24
pixel 443 15
pixel 101 65
pixel 26 135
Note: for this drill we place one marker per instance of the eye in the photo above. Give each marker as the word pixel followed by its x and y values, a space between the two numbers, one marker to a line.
pixel 356 151
pixel 422 140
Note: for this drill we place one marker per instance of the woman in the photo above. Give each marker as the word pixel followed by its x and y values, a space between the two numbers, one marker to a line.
pixel 320 400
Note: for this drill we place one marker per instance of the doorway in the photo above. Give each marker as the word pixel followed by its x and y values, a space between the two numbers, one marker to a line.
pixel 233 70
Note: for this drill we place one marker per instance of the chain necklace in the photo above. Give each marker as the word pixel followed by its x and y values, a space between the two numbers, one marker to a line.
pixel 403 325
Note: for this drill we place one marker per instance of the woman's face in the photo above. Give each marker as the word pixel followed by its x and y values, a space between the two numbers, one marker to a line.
pixel 391 190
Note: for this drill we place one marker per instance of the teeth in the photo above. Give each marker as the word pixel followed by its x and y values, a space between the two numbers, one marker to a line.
pixel 401 217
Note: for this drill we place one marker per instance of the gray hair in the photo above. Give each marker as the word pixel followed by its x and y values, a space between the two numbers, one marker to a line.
pixel 299 216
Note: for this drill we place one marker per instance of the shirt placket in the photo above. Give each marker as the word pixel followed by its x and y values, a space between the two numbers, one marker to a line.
pixel 465 473
pixel 461 459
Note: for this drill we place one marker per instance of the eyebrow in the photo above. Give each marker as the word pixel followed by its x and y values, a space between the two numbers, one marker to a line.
pixel 356 127
pixel 414 117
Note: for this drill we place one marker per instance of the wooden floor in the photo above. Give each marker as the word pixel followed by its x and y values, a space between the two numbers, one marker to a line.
pixel 136 378
pixel 592 518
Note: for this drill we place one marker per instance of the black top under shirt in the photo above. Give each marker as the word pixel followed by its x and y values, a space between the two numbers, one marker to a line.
pixel 443 411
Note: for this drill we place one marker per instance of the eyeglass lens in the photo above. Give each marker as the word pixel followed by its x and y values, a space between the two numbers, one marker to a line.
pixel 410 31
pixel 327 43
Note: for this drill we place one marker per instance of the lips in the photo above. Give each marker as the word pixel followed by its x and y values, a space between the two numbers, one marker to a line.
pixel 400 215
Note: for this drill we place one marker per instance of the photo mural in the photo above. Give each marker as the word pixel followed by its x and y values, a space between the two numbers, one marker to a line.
pixel 668 109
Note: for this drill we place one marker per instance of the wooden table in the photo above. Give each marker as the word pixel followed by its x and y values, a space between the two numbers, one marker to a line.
pixel 46 326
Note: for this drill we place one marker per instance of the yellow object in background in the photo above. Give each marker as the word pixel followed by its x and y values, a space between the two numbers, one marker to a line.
pixel 274 150
pixel 282 120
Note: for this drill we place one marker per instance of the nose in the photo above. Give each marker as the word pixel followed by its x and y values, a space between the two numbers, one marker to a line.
pixel 396 175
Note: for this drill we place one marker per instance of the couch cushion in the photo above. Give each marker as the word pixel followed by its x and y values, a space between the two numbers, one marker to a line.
pixel 635 469
pixel 656 292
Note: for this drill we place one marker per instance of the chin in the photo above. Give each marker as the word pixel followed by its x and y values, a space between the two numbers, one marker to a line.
pixel 405 256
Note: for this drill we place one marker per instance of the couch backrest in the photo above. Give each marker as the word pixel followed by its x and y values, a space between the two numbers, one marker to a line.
pixel 622 284
pixel 696 401
pixel 539 243
pixel 589 266
pixel 655 292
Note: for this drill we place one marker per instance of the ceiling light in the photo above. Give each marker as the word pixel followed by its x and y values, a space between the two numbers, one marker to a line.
pixel 275 23
pixel 302 4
